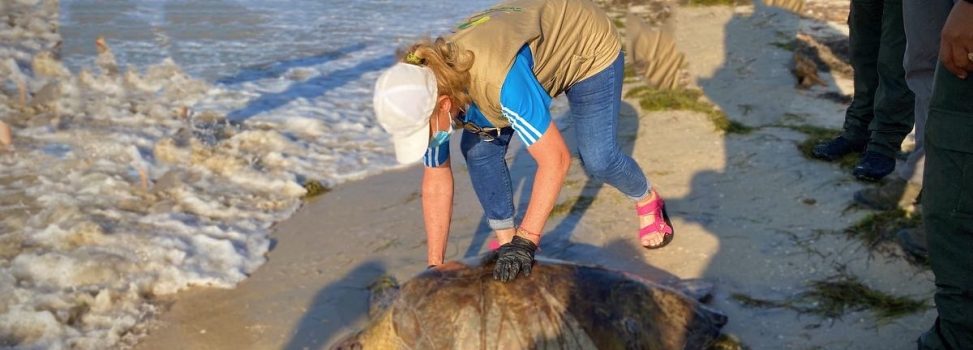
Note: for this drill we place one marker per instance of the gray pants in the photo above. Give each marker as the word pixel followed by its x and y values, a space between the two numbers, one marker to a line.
pixel 923 20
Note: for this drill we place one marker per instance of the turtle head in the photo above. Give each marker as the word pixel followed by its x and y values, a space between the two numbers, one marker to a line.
pixel 382 293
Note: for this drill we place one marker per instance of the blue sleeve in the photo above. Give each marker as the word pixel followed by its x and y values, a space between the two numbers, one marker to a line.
pixel 524 101
pixel 473 115
pixel 436 156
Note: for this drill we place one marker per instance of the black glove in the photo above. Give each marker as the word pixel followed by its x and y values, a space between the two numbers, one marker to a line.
pixel 514 257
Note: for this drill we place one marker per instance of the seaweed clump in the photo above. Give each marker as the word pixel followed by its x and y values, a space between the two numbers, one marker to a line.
pixel 877 228
pixel 834 296
pixel 685 99
pixel 711 2
pixel 314 188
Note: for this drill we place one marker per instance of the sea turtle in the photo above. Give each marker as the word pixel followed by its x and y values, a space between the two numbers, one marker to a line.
pixel 561 305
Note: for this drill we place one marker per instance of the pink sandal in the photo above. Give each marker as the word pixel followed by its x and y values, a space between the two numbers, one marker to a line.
pixel 665 226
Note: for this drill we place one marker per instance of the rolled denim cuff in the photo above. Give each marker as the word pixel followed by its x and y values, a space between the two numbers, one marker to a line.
pixel 501 224
pixel 644 195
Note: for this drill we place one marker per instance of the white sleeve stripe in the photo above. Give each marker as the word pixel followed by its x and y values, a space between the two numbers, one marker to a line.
pixel 526 136
pixel 435 157
pixel 521 132
pixel 524 139
pixel 518 121
pixel 537 134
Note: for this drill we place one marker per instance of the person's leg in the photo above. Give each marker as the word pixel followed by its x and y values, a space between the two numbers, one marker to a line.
pixel 595 104
pixel 923 21
pixel 491 180
pixel 865 25
pixel 894 102
pixel 948 210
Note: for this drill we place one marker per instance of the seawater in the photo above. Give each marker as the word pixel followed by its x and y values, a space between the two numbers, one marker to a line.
pixel 163 163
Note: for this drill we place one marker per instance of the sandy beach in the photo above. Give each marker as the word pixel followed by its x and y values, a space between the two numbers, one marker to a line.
pixel 752 215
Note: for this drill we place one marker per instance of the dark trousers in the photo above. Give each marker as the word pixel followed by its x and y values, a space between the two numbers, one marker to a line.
pixel 947 209
pixel 882 110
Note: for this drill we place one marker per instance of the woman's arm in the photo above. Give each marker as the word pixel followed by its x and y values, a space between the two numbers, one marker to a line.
pixel 553 161
pixel 437 210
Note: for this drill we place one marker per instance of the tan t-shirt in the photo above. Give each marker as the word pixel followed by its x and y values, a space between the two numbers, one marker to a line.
pixel 570 41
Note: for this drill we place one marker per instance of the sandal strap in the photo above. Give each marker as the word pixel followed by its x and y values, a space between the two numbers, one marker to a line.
pixel 656 208
pixel 658 226
pixel 653 207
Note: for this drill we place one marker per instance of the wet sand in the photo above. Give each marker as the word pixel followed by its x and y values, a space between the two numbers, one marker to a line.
pixel 751 214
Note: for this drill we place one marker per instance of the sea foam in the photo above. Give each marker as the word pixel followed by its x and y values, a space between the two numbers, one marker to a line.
pixel 116 192
pixel 129 179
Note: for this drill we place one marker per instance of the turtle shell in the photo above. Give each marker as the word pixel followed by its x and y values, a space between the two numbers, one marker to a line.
pixel 560 305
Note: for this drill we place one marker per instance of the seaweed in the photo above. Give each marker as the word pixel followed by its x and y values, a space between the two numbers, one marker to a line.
pixel 876 228
pixel 711 2
pixel 834 296
pixel 651 99
pixel 788 45
pixel 619 23
pixel 630 76
pixel 314 188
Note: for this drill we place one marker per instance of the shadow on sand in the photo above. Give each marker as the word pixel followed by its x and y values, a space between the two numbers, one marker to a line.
pixel 315 329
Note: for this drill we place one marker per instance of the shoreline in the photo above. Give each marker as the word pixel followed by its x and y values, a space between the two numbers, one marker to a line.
pixel 316 266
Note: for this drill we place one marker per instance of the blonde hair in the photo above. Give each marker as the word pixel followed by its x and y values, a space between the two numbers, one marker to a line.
pixel 449 63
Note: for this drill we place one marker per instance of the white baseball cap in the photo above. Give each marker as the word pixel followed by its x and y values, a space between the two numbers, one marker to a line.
pixel 405 96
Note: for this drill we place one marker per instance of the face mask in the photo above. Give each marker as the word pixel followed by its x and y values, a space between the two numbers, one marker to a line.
pixel 441 136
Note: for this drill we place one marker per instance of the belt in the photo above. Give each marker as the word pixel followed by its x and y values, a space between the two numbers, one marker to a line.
pixel 487 134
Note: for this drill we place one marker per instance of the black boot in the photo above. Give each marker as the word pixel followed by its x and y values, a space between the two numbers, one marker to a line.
pixel 836 148
pixel 874 166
